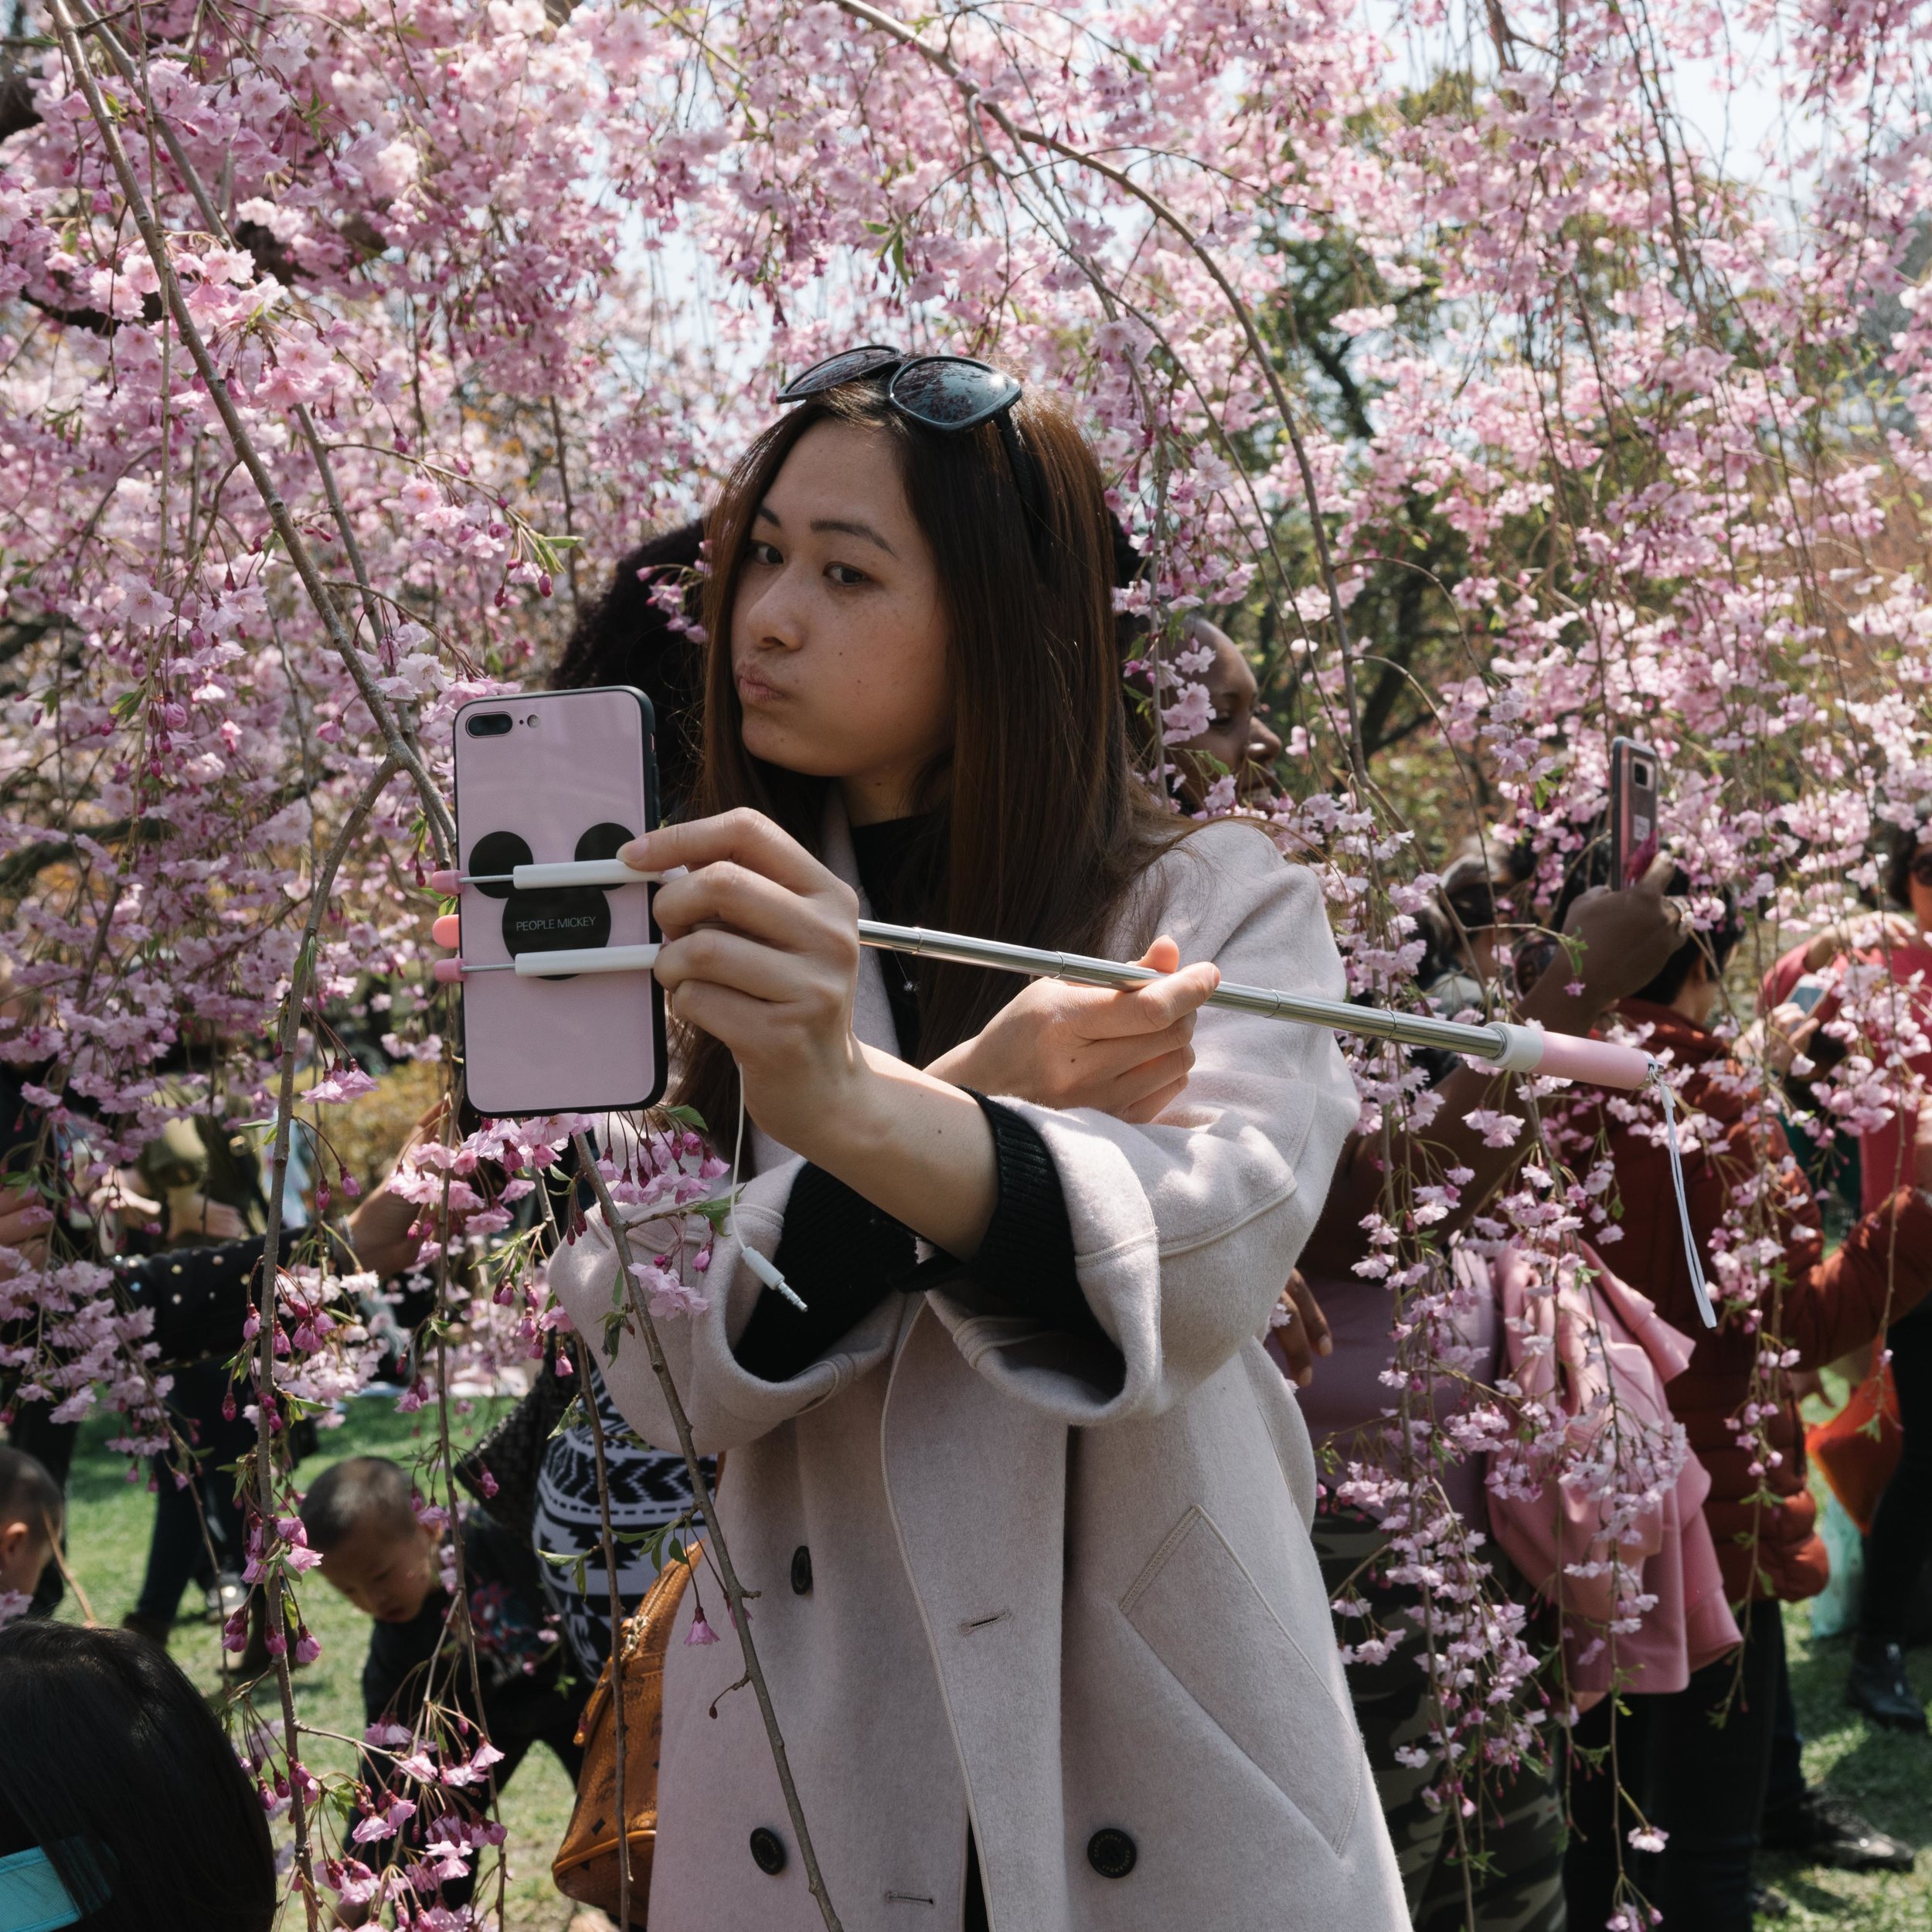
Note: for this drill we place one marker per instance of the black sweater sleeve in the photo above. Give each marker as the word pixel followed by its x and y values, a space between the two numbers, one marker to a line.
pixel 842 1256
pixel 1027 1256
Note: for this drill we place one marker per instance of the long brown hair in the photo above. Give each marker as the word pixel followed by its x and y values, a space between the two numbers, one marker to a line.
pixel 1039 822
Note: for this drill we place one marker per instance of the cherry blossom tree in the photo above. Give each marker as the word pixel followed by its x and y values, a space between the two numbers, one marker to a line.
pixel 1444 357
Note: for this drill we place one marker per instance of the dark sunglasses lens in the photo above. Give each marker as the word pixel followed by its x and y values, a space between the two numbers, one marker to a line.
pixel 847 367
pixel 948 393
pixel 1922 868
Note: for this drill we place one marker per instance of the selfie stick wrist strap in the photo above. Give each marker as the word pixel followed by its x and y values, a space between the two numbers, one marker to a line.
pixel 1700 1289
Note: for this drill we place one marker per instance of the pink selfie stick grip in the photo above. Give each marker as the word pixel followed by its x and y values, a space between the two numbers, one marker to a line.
pixel 1600 1062
pixel 449 972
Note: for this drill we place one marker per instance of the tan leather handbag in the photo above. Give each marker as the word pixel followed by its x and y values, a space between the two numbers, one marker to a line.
pixel 586 1866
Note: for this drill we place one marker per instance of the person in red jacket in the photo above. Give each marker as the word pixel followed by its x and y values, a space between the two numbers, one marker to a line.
pixel 1697 1761
pixel 1900 1541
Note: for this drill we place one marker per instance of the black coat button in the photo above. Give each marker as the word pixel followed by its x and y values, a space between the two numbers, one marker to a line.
pixel 801 1572
pixel 1111 1853
pixel 768 1850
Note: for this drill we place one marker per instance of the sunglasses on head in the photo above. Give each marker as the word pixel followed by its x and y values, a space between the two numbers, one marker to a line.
pixel 943 392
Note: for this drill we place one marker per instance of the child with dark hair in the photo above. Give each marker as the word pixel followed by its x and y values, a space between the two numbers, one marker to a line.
pixel 419 1693
pixel 123 1807
pixel 30 1516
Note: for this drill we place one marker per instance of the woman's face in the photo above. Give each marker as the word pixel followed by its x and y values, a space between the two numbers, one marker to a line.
pixel 1918 890
pixel 1238 738
pixel 838 645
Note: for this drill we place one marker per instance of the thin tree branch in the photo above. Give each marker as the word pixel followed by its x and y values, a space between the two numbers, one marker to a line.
pixel 741 1611
pixel 1022 136
pixel 265 1406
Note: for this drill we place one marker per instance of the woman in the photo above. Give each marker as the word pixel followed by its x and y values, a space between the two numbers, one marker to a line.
pixel 1037 1599
pixel 121 1803
pixel 1900 1541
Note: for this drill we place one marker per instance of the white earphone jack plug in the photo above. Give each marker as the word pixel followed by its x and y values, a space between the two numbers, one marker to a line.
pixel 767 1269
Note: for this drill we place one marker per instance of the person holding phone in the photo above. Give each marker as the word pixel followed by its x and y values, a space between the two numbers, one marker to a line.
pixel 1900 1544
pixel 1027 1517
pixel 1697 1762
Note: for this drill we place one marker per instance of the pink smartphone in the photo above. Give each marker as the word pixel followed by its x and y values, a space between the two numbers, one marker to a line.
pixel 556 775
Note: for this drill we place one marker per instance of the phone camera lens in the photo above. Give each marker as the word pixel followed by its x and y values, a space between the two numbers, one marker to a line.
pixel 1640 773
pixel 491 724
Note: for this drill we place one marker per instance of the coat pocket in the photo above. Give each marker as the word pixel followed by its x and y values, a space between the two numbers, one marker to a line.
pixel 1199 1611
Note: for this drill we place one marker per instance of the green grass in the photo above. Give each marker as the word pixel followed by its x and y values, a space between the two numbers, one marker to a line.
pixel 1888 1777
pixel 109 1520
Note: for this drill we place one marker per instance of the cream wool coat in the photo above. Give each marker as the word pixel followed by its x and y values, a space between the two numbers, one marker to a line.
pixel 1057 1590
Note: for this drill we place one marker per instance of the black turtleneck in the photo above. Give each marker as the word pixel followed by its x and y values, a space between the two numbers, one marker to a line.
pixel 843 1255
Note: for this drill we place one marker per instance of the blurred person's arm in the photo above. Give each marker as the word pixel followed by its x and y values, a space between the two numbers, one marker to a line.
pixel 191 1214
pixel 1834 1305
pixel 383 1230
pixel 1856 935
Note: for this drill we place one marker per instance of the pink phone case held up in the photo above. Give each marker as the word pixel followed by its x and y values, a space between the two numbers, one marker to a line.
pixel 569 777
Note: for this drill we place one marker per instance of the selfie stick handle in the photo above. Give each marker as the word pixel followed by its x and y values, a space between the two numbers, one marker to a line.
pixel 1507 1047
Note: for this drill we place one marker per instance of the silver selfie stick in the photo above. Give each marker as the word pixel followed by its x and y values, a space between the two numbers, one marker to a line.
pixel 1501 1044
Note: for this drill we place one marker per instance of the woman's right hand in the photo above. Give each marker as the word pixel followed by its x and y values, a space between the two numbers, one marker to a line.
pixel 1126 1053
pixel 1786 1032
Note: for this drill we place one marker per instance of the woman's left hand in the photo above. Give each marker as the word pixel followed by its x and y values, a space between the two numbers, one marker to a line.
pixel 761 952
